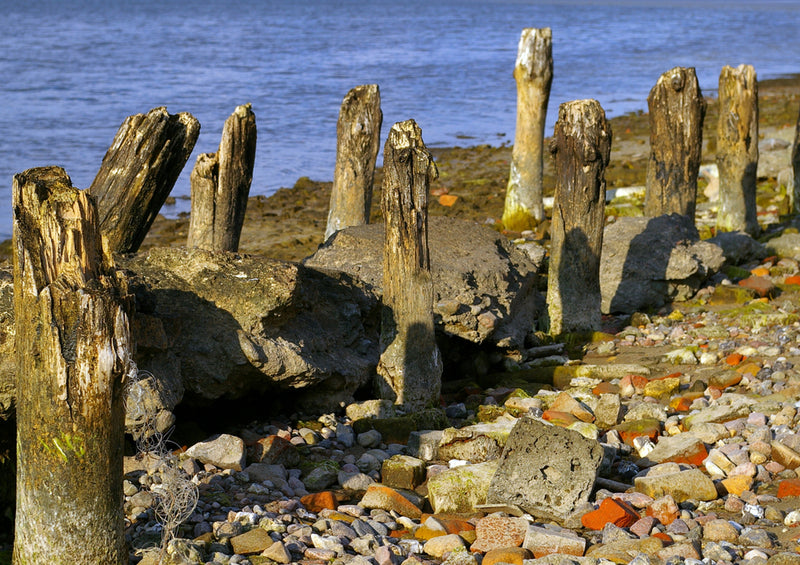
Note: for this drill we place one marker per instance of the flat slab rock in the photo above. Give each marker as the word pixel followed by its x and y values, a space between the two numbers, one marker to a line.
pixel 484 287
pixel 546 470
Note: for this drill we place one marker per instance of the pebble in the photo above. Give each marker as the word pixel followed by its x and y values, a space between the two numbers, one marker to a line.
pixel 737 396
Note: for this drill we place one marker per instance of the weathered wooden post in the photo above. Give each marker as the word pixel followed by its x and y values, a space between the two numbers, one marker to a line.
pixel 737 149
pixel 410 367
pixel 358 134
pixel 72 351
pixel 582 147
pixel 676 109
pixel 796 167
pixel 534 75
pixel 138 173
pixel 221 185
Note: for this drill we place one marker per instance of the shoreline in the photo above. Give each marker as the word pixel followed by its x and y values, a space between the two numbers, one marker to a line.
pixel 290 223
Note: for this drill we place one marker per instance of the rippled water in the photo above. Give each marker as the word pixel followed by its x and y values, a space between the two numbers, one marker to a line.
pixel 72 70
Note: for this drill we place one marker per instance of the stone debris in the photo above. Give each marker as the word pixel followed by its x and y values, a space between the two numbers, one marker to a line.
pixel 630 455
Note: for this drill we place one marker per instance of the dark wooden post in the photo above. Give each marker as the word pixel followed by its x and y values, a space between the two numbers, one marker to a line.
pixel 358 134
pixel 582 147
pixel 138 173
pixel 410 367
pixel 677 109
pixel 221 185
pixel 534 75
pixel 796 167
pixel 72 347
pixel 737 149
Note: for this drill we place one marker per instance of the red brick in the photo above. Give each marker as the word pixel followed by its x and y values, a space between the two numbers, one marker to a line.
pixel 319 500
pixel 762 286
pixel 788 488
pixel 629 431
pixel 611 510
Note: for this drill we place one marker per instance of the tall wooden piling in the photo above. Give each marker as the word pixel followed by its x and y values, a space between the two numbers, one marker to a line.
pixel 138 172
pixel 534 74
pixel 737 149
pixel 358 134
pixel 676 110
pixel 221 185
pixel 72 348
pixel 410 367
pixel 582 147
pixel 796 167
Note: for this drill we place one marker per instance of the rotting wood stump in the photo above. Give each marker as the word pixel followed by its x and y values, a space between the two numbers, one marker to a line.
pixel 582 148
pixel 796 167
pixel 220 184
pixel 73 353
pixel 410 366
pixel 138 172
pixel 358 132
pixel 676 110
pixel 737 149
pixel 533 72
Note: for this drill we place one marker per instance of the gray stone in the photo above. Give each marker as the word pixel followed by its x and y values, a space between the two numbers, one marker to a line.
pixel 460 489
pixel 223 451
pixel 647 262
pixel 739 247
pixel 476 443
pixel 487 276
pixel 546 470
pixel 786 245
pixel 321 477
pixel 376 408
pixel 425 444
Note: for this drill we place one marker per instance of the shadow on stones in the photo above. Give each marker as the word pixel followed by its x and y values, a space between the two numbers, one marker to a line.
pixel 579 283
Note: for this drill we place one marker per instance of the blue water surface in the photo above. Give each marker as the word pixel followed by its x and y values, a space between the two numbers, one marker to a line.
pixel 72 71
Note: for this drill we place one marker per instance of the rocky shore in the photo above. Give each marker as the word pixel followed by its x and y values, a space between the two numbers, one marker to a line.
pixel 682 422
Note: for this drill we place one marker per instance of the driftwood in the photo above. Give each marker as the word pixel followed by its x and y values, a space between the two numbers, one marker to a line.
pixel 534 74
pixel 221 185
pixel 676 109
pixel 410 367
pixel 358 134
pixel 737 149
pixel 138 173
pixel 72 350
pixel 582 147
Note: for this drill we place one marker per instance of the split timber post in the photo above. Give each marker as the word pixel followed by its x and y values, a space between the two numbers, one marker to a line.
pixel 221 185
pixel 72 347
pixel 534 75
pixel 582 147
pixel 410 367
pixel 737 149
pixel 358 133
pixel 796 167
pixel 676 109
pixel 138 172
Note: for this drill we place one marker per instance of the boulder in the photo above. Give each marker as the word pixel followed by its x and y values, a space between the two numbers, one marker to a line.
pixel 484 287
pixel 546 470
pixel 647 262
pixel 225 325
pixel 739 247
pixel 785 245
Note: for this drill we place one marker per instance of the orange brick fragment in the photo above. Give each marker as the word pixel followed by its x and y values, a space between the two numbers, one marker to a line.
pixel 760 272
pixel 558 418
pixel 734 359
pixel 663 536
pixel 617 512
pixel 794 279
pixel 318 501
pixel 448 199
pixel 789 487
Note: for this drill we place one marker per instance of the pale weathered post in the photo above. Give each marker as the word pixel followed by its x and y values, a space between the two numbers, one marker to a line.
pixel 138 172
pixel 582 147
pixel 72 350
pixel 534 75
pixel 221 185
pixel 358 134
pixel 796 167
pixel 410 367
pixel 676 109
pixel 737 149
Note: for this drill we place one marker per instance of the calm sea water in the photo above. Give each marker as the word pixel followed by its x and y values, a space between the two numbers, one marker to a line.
pixel 71 71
